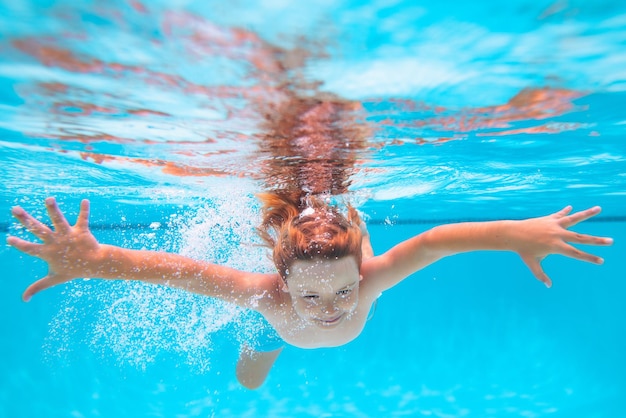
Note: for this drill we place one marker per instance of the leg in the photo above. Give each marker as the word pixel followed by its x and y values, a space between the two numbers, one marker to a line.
pixel 254 366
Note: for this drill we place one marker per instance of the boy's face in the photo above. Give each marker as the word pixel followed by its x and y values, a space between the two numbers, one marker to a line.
pixel 324 292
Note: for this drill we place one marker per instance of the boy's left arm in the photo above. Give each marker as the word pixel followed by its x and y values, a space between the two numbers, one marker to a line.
pixel 533 239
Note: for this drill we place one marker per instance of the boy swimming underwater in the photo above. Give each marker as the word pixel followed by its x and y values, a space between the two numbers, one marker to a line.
pixel 326 281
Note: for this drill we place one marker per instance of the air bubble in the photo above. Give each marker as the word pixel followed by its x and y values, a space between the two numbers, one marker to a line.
pixel 134 323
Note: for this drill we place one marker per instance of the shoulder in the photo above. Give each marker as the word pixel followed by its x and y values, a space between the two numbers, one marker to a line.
pixel 256 291
pixel 373 272
pixel 264 292
pixel 379 274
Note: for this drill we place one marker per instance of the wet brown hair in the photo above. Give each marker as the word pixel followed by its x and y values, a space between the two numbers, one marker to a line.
pixel 312 144
pixel 310 147
pixel 306 228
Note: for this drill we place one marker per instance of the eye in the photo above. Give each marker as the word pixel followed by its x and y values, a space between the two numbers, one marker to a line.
pixel 344 292
pixel 310 297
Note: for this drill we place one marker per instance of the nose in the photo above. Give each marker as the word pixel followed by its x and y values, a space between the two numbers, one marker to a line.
pixel 328 308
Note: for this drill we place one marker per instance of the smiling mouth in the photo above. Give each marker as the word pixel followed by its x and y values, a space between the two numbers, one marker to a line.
pixel 330 322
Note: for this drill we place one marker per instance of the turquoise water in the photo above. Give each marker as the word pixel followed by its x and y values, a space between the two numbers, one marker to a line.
pixel 476 110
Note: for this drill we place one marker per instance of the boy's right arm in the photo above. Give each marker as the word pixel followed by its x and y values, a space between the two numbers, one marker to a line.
pixel 73 252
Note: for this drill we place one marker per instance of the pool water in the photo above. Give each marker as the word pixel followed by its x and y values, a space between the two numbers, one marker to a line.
pixel 475 111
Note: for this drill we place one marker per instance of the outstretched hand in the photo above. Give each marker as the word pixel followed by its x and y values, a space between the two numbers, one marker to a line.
pixel 536 238
pixel 70 251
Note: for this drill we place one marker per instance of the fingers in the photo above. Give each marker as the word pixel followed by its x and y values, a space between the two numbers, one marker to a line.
pixel 563 212
pixel 577 217
pixel 587 239
pixel 37 287
pixel 29 248
pixel 83 215
pixel 37 228
pixel 534 265
pixel 573 252
pixel 56 216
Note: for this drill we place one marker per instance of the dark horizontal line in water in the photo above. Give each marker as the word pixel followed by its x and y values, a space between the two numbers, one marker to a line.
pixel 438 221
pixel 4 227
